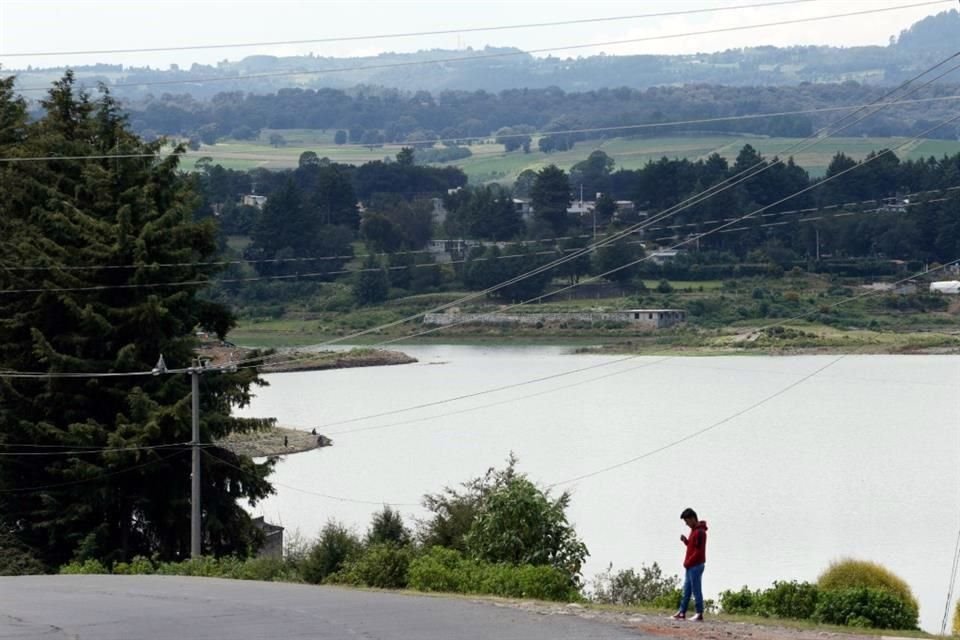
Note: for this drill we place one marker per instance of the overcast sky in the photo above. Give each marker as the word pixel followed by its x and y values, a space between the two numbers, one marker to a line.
pixel 30 26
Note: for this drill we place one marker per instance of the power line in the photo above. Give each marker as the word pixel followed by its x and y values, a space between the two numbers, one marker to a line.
pixel 97 478
pixel 407 143
pixel 393 65
pixel 713 190
pixel 709 193
pixel 77 451
pixel 315 493
pixel 699 432
pixel 481 243
pixel 502 402
pixel 569 372
pixel 384 36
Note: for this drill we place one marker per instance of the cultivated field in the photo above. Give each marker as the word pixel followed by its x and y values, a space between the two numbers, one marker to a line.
pixel 490 163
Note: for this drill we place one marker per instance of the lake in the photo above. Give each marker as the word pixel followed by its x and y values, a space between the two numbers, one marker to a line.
pixel 859 460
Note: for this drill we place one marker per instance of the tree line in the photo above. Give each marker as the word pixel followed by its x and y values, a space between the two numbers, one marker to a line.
pixel 377 115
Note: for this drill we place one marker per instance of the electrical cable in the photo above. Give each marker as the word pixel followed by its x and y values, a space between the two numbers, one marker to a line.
pixel 483 243
pixel 315 493
pixel 408 143
pixel 98 478
pixel 527 52
pixel 385 36
pixel 699 432
pixel 677 245
pixel 76 451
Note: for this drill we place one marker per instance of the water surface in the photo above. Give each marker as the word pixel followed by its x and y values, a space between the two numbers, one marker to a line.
pixel 859 460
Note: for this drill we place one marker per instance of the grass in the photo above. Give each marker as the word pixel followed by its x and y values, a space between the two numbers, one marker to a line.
pixel 489 162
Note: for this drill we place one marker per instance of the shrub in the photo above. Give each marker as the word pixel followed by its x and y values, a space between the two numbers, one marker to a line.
pixel 86 567
pixel 743 601
pixel 790 600
pixel 139 566
pixel 631 587
pixel 849 573
pixel 956 619
pixel 335 546
pixel 447 570
pixel 439 569
pixel 385 566
pixel 865 607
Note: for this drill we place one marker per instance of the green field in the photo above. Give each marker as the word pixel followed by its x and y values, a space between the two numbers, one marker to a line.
pixel 490 163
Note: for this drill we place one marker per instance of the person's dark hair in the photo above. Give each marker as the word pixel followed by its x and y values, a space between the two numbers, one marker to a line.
pixel 689 513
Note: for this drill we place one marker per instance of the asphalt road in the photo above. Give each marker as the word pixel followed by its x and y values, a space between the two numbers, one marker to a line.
pixel 177 608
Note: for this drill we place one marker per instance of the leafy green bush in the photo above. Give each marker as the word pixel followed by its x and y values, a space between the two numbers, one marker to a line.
pixel 335 546
pixel 956 619
pixel 629 587
pixel 865 607
pixel 790 600
pixel 87 567
pixel 744 601
pixel 447 570
pixel 671 600
pixel 16 559
pixel 849 573
pixel 439 569
pixel 383 565
pixel 139 566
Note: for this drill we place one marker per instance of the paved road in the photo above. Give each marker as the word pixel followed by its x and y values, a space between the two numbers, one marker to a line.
pixel 176 608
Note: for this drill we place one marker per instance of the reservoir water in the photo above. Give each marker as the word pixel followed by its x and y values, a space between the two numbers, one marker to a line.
pixel 853 456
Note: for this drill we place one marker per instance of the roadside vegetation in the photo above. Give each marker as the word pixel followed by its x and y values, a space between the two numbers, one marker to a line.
pixel 503 535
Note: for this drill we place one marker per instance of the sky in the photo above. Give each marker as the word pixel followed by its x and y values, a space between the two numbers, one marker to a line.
pixel 32 26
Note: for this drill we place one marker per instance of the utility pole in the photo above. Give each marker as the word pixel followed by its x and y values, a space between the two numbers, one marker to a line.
pixel 195 528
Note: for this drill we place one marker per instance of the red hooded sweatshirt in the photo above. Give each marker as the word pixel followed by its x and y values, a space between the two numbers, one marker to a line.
pixel 696 546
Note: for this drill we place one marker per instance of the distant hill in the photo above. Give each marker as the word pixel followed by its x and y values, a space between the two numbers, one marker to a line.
pixel 497 69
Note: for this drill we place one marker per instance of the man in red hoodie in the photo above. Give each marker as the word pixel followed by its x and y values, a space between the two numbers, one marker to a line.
pixel 693 562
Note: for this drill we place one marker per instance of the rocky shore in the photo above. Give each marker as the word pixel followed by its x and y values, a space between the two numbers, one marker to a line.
pixel 298 360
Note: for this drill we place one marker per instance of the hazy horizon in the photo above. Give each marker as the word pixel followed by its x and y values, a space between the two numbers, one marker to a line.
pixel 25 28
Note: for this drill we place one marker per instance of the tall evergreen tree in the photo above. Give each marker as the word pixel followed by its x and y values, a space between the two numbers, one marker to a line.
pixel 82 293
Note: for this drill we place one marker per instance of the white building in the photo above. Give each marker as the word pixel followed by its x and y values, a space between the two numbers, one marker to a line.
pixel 253 200
pixel 950 287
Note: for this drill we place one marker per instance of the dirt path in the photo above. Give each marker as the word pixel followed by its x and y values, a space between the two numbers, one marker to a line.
pixel 661 625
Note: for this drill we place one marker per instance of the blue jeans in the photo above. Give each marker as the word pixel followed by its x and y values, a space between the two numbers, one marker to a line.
pixel 693 583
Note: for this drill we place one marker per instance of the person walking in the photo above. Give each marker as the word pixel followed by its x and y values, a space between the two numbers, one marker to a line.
pixel 693 563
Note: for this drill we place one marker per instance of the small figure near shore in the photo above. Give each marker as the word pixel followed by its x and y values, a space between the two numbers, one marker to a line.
pixel 693 563
pixel 285 441
pixel 313 431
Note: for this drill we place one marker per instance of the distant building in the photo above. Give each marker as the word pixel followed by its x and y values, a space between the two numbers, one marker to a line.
pixel 273 539
pixel 665 255
pixel 253 200
pixel 950 287
pixel 522 206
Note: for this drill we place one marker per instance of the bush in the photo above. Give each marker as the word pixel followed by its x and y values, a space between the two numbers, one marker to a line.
pixel 87 567
pixel 744 601
pixel 385 566
pixel 790 600
pixel 849 573
pixel 439 569
pixel 139 566
pixel 865 607
pixel 956 619
pixel 335 547
pixel 447 570
pixel 629 587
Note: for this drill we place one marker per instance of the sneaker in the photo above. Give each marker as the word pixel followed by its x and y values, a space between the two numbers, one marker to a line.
pixel 697 618
pixel 679 615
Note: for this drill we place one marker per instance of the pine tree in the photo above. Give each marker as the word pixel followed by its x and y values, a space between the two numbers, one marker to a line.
pixel 81 292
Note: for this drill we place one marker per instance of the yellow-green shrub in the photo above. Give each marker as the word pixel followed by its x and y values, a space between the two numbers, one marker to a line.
pixel 956 619
pixel 849 574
